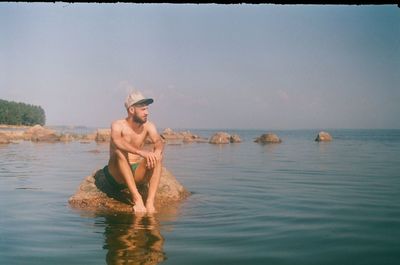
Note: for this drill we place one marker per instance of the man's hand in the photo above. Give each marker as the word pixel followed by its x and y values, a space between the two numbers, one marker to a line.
pixel 152 158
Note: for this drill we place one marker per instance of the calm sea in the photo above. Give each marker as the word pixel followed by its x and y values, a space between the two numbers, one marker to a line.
pixel 298 202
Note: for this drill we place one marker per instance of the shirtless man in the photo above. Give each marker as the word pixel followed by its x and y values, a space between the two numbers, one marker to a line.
pixel 129 164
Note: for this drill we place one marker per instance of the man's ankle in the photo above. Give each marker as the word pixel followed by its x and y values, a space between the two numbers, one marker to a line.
pixel 138 200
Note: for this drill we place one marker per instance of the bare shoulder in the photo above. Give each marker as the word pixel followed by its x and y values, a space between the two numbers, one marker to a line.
pixel 150 127
pixel 117 125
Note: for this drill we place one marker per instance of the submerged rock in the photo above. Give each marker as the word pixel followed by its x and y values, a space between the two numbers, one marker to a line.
pixel 323 137
pixel 268 138
pixel 96 194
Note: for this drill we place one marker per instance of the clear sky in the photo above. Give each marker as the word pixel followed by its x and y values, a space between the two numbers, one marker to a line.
pixel 206 66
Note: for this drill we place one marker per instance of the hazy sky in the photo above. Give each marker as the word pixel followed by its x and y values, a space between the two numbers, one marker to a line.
pixel 206 66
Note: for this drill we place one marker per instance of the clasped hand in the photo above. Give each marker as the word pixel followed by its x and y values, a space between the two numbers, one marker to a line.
pixel 152 158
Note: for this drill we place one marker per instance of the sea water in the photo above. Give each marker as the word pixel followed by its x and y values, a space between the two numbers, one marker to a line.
pixel 297 202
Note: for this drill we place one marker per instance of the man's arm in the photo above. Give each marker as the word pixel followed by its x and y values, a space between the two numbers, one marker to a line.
pixel 156 138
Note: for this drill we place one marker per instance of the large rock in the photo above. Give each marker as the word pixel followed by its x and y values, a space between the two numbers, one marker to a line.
pixel 96 194
pixel 268 138
pixel 38 133
pixel 323 137
pixel 103 135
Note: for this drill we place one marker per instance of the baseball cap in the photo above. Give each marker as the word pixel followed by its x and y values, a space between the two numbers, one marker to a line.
pixel 137 98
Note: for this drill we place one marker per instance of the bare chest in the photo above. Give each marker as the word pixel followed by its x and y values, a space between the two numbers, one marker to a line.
pixel 133 137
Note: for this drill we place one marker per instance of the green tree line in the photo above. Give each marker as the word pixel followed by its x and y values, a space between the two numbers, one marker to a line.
pixel 16 113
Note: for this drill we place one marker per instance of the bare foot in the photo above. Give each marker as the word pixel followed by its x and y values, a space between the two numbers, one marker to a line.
pixel 139 208
pixel 150 208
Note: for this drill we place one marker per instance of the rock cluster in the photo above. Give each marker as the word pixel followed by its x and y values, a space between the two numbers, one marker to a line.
pixel 268 138
pixel 224 138
pixel 96 194
pixel 38 133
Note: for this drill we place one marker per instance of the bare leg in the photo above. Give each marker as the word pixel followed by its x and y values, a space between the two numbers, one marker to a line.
pixel 142 174
pixel 120 169
pixel 153 185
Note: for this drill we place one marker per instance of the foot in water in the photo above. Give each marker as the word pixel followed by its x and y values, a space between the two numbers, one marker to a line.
pixel 137 208
pixel 150 208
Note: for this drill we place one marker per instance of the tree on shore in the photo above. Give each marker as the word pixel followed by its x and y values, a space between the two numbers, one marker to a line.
pixel 17 113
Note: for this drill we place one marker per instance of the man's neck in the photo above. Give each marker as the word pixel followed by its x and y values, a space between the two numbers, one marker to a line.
pixel 134 125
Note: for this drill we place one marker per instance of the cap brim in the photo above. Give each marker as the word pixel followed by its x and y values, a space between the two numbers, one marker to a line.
pixel 146 101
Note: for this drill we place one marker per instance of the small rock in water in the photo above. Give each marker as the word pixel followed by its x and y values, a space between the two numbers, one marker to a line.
pixel 235 138
pixel 268 138
pixel 220 138
pixel 323 137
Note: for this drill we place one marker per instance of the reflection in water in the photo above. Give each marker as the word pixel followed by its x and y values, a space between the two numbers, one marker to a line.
pixel 133 239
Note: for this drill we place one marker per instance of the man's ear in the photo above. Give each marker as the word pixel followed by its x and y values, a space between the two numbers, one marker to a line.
pixel 131 109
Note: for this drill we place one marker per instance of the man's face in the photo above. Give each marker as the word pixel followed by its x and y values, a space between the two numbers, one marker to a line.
pixel 140 114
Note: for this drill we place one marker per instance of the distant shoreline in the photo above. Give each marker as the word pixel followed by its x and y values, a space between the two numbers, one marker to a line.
pixel 15 126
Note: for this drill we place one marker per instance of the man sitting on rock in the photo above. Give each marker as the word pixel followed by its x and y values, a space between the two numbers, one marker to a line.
pixel 129 163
